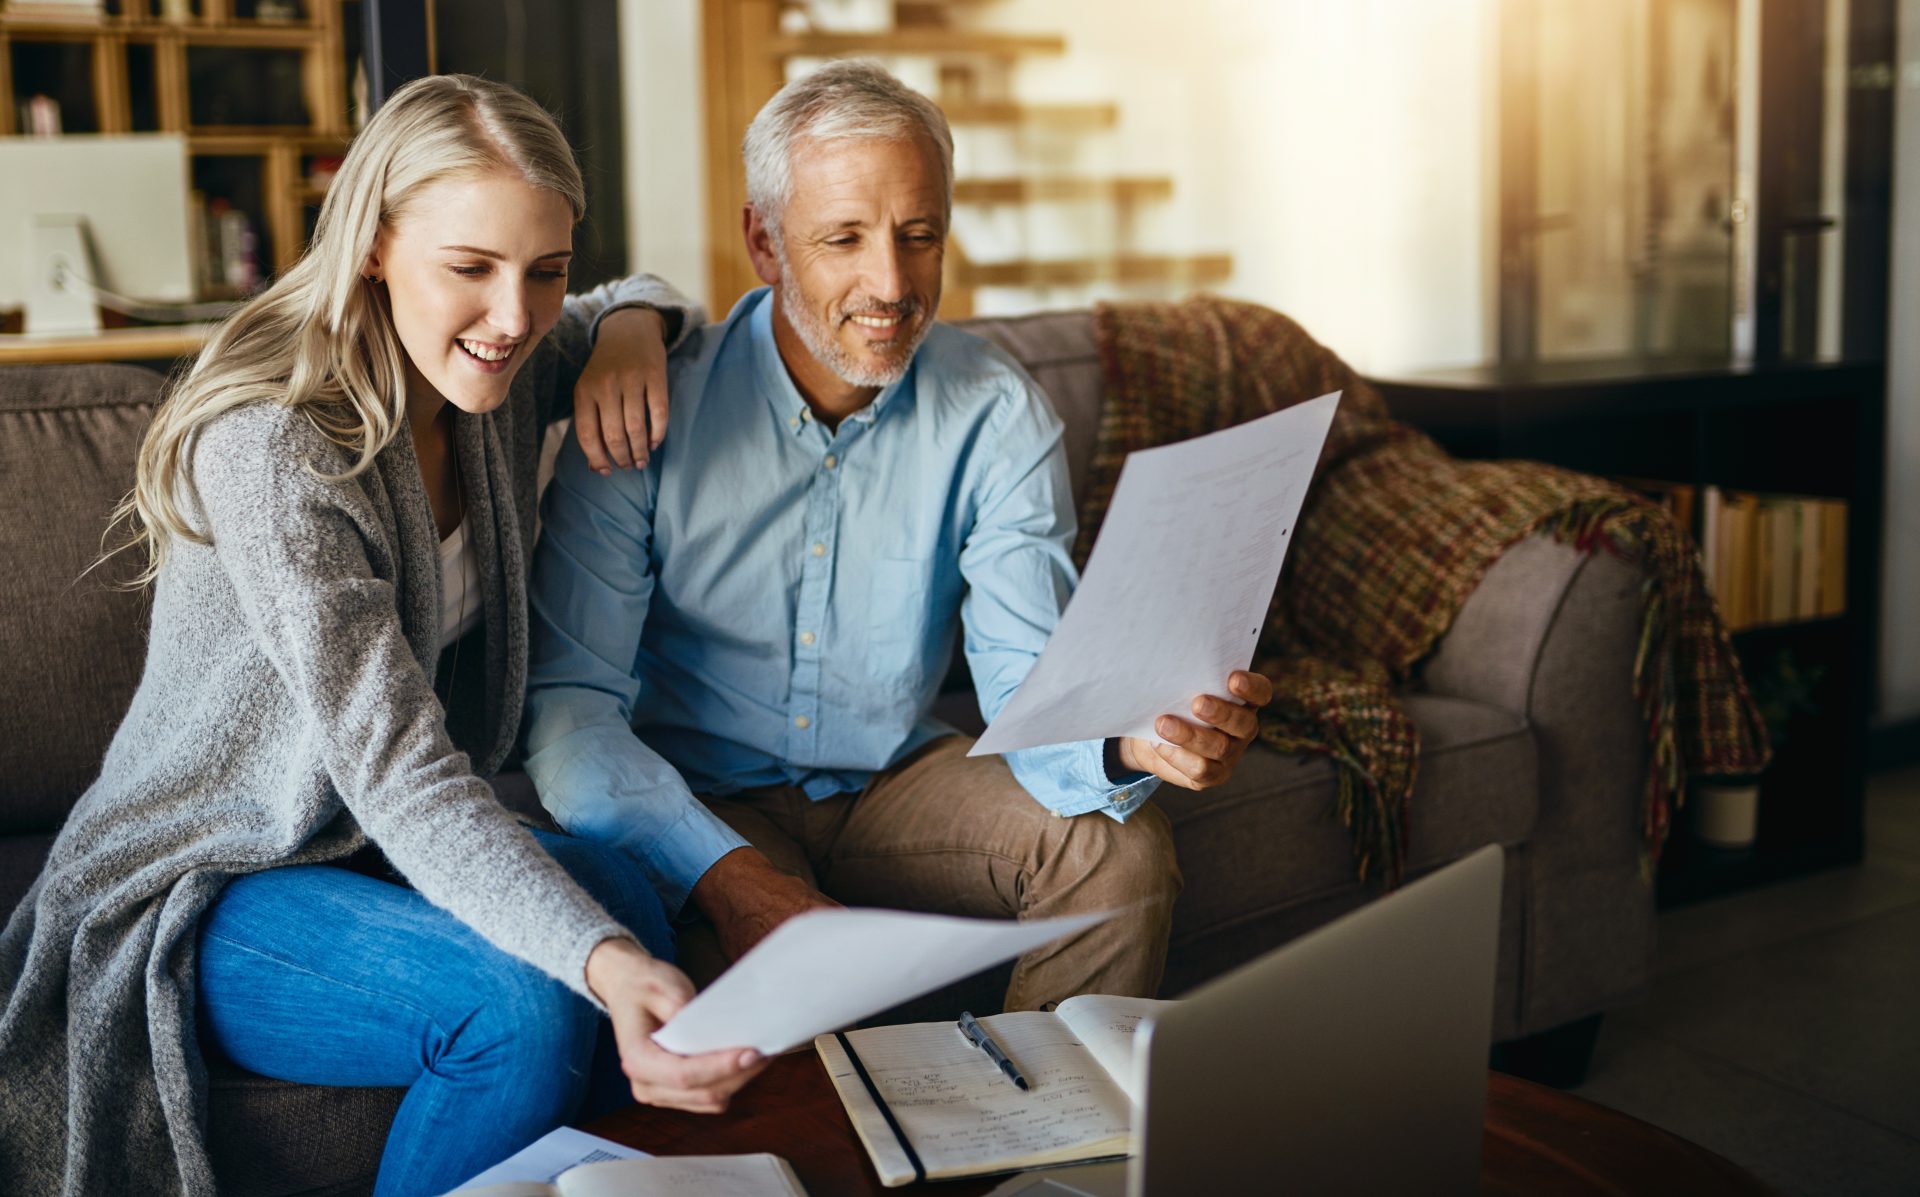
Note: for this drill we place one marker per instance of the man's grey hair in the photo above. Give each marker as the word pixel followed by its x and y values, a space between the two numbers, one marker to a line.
pixel 852 100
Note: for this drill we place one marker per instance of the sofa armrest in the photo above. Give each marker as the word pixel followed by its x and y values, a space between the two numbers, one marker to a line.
pixel 1551 634
pixel 1491 652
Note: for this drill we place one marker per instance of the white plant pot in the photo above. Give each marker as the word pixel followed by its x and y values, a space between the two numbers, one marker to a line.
pixel 1726 815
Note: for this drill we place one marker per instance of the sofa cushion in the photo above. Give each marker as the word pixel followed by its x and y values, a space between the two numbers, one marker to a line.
pixel 1269 839
pixel 273 1139
pixel 21 857
pixel 71 647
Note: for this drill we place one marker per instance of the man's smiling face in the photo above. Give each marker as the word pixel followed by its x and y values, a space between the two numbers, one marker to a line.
pixel 857 265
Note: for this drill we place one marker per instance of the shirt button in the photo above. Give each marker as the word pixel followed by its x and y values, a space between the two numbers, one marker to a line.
pixel 802 722
pixel 806 414
pixel 794 422
pixel 806 638
pixel 819 550
pixel 832 461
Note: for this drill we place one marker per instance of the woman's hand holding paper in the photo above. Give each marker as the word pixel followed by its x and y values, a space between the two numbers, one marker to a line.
pixel 641 993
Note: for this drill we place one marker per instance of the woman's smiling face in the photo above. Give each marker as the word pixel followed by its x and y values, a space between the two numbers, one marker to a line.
pixel 476 271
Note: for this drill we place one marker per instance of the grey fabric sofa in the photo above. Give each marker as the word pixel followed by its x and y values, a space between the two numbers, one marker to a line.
pixel 1531 739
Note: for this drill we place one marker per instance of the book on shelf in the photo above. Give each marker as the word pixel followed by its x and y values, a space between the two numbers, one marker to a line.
pixel 39 116
pixel 1679 498
pixel 225 249
pixel 1781 522
pixel 927 1103
pixel 1773 559
pixel 1806 574
pixel 1833 559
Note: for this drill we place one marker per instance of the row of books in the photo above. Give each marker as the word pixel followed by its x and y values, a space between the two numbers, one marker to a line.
pixel 225 248
pixel 1768 558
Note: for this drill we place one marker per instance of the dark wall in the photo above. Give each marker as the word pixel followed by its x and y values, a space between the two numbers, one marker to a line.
pixel 565 54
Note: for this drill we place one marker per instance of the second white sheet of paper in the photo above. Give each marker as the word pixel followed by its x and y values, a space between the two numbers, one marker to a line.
pixel 827 969
pixel 1176 590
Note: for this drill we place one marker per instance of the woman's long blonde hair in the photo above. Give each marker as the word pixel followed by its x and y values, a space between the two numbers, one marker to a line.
pixel 321 339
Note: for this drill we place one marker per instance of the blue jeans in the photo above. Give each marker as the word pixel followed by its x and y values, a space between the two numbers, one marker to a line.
pixel 320 975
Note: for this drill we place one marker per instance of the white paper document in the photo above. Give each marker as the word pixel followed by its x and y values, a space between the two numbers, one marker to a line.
pixel 547 1157
pixel 1176 590
pixel 826 969
pixel 571 1163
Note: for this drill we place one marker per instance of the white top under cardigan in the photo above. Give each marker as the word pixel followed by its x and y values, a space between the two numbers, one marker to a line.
pixel 461 596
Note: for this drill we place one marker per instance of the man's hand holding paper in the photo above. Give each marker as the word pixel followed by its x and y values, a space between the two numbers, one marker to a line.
pixel 1203 752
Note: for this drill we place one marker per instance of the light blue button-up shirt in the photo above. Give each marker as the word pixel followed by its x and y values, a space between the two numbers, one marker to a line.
pixel 773 603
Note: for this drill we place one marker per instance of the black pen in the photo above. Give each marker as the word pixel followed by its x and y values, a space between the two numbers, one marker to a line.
pixel 977 1035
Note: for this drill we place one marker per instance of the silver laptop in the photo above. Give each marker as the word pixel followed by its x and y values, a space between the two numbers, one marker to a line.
pixel 1352 1060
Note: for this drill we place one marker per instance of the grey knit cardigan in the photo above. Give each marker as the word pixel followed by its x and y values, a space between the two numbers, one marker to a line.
pixel 287 715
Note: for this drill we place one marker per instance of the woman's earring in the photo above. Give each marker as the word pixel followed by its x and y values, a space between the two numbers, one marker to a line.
pixel 374 278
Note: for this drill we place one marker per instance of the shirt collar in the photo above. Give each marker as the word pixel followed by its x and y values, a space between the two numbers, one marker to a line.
pixel 789 406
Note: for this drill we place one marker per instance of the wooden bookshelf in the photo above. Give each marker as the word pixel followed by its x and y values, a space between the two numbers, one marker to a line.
pixel 154 73
pixel 1814 430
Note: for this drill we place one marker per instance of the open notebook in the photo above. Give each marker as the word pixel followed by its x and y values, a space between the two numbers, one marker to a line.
pixel 928 1105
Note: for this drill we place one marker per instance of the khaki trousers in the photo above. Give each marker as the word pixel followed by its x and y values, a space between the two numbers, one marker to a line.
pixel 946 833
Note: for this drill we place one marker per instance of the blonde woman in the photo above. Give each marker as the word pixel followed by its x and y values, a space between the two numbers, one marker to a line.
pixel 290 856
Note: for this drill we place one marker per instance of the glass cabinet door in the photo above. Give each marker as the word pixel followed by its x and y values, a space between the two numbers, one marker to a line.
pixel 1673 178
pixel 1618 171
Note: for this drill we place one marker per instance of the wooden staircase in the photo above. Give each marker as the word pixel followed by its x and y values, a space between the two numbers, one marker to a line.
pixel 749 45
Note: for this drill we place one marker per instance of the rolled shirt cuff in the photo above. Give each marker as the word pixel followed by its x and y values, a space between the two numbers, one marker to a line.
pixel 1071 779
pixel 682 853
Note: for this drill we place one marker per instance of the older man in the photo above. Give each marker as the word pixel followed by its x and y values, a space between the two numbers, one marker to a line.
pixel 736 648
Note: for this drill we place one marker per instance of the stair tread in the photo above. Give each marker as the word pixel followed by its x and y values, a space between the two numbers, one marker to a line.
pixel 917 41
pixel 1103 268
pixel 1014 189
pixel 992 112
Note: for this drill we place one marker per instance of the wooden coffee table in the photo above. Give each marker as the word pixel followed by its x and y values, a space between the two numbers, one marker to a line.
pixel 1538 1141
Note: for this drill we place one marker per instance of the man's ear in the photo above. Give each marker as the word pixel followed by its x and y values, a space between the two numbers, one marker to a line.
pixel 766 263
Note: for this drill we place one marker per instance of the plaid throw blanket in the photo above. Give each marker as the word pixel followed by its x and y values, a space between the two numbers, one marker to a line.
pixel 1394 536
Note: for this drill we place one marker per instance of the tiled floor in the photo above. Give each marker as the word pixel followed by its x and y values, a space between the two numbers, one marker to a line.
pixel 1783 1025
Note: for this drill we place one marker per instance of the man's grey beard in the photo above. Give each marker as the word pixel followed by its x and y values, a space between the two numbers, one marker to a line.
pixel 826 348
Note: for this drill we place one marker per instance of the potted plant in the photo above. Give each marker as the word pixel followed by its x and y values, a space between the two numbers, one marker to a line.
pixel 1726 809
